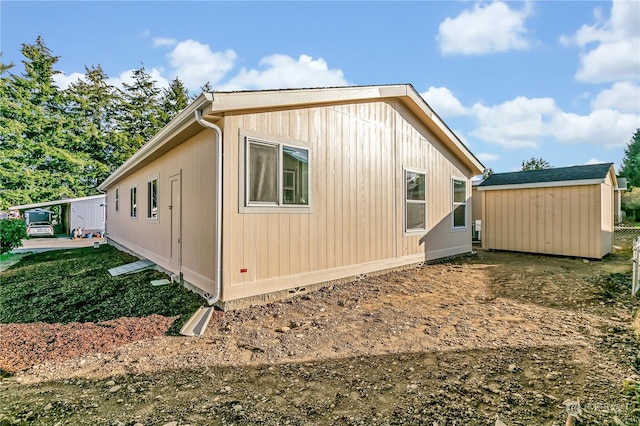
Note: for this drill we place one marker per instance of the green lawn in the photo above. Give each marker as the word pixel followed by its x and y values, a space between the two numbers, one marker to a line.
pixel 65 286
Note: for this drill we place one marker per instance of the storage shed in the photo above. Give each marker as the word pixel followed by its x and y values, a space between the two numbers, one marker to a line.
pixel 250 196
pixel 565 211
pixel 87 213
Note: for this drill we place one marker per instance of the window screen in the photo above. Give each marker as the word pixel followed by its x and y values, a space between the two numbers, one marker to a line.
pixel 459 203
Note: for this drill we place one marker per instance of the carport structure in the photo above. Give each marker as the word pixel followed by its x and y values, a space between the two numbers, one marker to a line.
pixel 87 213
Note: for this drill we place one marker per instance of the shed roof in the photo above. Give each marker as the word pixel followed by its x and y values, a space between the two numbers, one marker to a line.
pixel 559 176
pixel 216 104
pixel 57 202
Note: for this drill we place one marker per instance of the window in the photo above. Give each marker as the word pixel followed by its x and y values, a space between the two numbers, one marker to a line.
pixel 117 199
pixel 459 203
pixel 415 206
pixel 134 202
pixel 152 199
pixel 276 175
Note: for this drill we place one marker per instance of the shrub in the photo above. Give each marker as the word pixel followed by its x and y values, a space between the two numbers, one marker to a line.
pixel 12 232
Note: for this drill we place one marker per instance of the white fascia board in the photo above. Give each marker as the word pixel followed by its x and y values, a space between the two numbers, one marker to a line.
pixel 542 184
pixel 177 124
pixel 56 202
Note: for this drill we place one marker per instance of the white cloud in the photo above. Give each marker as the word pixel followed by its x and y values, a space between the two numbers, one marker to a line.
pixel 196 64
pixel 623 96
pixel 444 103
pixel 519 123
pixel 594 161
pixel 486 28
pixel 604 127
pixel 282 71
pixel 486 157
pixel 527 122
pixel 63 81
pixel 610 47
pixel 164 41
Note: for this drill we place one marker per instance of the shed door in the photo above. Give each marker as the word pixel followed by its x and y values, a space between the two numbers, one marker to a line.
pixel 175 209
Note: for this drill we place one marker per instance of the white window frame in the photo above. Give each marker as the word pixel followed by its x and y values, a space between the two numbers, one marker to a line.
pixel 149 199
pixel 455 204
pixel 247 206
pixel 405 202
pixel 133 206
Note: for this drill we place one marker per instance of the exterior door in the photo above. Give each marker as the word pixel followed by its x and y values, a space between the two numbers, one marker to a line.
pixel 175 209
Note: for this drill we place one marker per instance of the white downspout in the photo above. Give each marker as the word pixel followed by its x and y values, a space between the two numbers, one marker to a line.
pixel 213 299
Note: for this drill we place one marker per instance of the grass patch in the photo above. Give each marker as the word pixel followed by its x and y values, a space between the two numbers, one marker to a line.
pixel 64 286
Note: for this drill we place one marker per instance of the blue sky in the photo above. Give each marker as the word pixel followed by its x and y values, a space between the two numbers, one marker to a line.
pixel 514 80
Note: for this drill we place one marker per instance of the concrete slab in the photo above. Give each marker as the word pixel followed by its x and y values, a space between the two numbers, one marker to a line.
pixel 36 245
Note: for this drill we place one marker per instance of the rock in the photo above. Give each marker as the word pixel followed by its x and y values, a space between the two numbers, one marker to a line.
pixel 115 388
pixel 283 329
pixel 48 407
pixel 552 375
pixel 173 423
pixel 237 408
pixel 512 368
pixel 110 383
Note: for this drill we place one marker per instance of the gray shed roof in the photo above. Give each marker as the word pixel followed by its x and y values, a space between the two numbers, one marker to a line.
pixel 578 175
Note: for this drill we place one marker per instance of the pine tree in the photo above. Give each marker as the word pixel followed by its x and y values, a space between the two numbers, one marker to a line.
pixel 174 99
pixel 39 150
pixel 535 164
pixel 139 117
pixel 630 167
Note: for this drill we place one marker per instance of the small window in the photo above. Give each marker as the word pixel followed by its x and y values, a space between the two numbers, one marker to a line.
pixel 117 199
pixel 459 203
pixel 134 202
pixel 276 174
pixel 152 199
pixel 415 208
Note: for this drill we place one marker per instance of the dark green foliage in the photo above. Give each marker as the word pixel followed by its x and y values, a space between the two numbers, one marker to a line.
pixel 56 143
pixel 12 232
pixel 535 164
pixel 74 285
pixel 630 168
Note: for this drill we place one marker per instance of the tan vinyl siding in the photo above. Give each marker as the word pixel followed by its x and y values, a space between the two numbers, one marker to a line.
pixel 358 154
pixel 195 160
pixel 564 220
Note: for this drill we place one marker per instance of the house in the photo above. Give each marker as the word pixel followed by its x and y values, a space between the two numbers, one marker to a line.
pixel 87 213
pixel 565 211
pixel 250 196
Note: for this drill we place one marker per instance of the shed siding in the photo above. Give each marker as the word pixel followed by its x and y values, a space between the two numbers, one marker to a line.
pixel 87 214
pixel 358 153
pixel 195 161
pixel 563 220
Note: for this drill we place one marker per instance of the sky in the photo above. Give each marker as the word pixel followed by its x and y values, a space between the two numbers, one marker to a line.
pixel 557 80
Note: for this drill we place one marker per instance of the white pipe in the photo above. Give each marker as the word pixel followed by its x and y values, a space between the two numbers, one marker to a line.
pixel 218 185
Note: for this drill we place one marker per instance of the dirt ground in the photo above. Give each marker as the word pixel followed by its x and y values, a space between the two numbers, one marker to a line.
pixel 497 335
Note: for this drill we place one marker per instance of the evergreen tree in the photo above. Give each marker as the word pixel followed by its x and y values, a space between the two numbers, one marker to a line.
pixel 630 167
pixel 139 117
pixel 174 99
pixel 40 151
pixel 535 164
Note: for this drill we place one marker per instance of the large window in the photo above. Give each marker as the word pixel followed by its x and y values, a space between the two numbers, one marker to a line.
pixel 134 202
pixel 152 199
pixel 415 206
pixel 276 174
pixel 459 203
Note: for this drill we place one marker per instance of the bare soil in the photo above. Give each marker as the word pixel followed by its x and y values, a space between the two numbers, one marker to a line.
pixel 467 341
